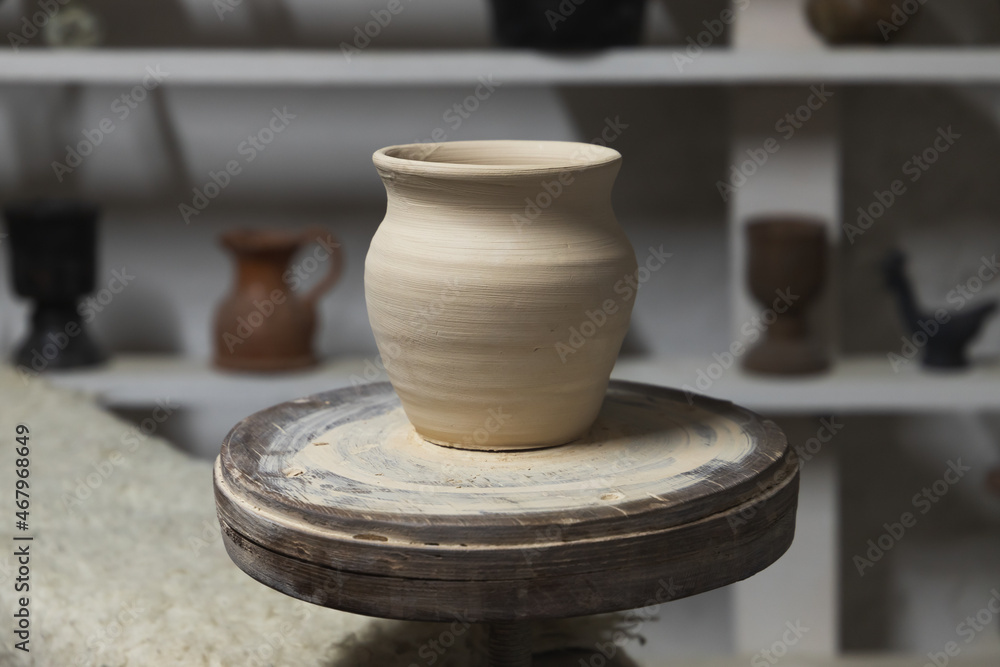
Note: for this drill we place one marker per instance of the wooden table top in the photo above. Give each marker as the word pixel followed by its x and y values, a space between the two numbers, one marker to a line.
pixel 335 499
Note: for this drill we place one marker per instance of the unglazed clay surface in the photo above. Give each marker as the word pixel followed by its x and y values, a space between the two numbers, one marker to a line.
pixel 491 288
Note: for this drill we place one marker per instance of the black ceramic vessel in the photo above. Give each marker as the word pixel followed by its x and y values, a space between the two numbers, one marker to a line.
pixel 568 24
pixel 53 245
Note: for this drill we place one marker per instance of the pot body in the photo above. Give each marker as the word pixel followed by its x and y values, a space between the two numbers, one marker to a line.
pixel 495 289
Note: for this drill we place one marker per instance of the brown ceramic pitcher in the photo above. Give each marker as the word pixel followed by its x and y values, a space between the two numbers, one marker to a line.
pixel 264 324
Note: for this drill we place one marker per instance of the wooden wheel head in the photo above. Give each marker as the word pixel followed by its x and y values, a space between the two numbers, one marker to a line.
pixel 334 499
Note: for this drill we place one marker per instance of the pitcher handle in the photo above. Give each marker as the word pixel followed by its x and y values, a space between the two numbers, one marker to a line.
pixel 318 235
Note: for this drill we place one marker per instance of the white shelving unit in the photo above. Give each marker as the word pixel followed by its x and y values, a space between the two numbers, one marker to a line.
pixel 659 66
pixel 859 385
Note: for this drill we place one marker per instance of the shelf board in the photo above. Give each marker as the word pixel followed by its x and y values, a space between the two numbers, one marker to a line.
pixel 855 385
pixel 643 66
pixel 137 381
pixel 861 385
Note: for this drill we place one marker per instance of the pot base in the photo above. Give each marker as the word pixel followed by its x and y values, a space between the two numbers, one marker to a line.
pixel 472 447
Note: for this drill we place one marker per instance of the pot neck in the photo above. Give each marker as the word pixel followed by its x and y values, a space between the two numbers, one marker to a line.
pixel 544 195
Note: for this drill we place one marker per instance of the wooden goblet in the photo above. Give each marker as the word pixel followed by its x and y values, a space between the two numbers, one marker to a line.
pixel 786 270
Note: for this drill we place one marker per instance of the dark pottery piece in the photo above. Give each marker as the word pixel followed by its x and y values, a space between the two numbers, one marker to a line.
pixel 264 325
pixel 75 25
pixel 948 340
pixel 53 246
pixel 993 481
pixel 857 21
pixel 786 255
pixel 568 24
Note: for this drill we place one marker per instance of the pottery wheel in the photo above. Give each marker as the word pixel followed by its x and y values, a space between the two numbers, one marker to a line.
pixel 334 499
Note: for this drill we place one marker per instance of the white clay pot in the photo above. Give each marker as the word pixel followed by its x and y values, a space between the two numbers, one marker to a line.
pixel 497 288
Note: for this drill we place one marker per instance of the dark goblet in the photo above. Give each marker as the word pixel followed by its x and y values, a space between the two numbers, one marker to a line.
pixel 855 21
pixel 563 24
pixel 53 246
pixel 790 254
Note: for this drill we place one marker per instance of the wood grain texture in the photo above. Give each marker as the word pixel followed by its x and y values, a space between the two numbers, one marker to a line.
pixel 333 499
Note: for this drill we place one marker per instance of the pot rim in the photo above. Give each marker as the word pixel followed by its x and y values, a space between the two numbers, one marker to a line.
pixel 503 158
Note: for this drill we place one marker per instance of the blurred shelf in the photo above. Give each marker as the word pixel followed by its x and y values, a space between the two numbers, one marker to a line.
pixel 136 381
pixel 430 68
pixel 986 658
pixel 856 385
